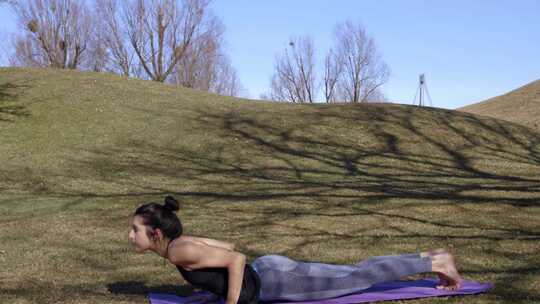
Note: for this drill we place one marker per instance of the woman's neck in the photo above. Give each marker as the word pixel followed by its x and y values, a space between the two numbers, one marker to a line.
pixel 162 248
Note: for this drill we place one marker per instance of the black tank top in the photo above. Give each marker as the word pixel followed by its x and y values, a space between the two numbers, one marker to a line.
pixel 216 280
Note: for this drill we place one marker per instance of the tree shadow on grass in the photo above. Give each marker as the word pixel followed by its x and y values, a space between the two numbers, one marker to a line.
pixel 261 160
pixel 8 110
pixel 414 156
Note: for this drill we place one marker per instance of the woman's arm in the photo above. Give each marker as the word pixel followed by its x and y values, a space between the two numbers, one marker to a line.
pixel 194 256
pixel 210 242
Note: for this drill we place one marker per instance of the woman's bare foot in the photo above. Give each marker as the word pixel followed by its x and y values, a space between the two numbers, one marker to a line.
pixel 444 265
pixel 431 254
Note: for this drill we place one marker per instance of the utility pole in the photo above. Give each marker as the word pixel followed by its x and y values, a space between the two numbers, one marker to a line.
pixel 422 92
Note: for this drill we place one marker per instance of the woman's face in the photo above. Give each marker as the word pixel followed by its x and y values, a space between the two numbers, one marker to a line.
pixel 138 236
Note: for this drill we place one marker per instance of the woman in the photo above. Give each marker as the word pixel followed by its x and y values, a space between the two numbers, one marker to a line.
pixel 216 267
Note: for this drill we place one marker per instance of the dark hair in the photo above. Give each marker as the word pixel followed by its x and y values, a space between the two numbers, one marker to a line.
pixel 162 217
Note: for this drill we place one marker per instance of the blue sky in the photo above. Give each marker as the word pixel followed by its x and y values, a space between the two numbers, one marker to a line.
pixel 468 50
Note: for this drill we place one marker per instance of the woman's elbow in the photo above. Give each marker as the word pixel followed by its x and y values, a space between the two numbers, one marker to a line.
pixel 243 259
pixel 237 261
pixel 240 257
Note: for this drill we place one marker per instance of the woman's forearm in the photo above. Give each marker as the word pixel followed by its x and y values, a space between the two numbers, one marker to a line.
pixel 236 275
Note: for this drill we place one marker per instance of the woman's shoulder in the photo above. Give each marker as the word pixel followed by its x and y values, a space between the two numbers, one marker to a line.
pixel 186 240
pixel 181 245
pixel 180 248
pixel 208 242
pixel 194 255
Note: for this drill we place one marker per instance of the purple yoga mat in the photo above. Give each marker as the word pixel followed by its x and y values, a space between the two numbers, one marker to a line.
pixel 398 290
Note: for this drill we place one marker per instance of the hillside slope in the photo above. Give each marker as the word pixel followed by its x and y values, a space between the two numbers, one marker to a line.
pixel 333 183
pixel 92 133
pixel 521 106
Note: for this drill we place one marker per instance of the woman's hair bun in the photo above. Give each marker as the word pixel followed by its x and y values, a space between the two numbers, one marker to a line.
pixel 171 203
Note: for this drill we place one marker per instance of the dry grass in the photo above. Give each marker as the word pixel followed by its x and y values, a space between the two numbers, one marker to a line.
pixel 321 183
pixel 520 106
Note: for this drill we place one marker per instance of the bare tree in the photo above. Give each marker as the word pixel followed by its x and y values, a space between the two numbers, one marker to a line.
pixel 4 49
pixel 111 26
pixel 196 68
pixel 98 57
pixel 56 33
pixel 333 68
pixel 363 71
pixel 353 69
pixel 225 81
pixel 205 66
pixel 162 31
pixel 294 75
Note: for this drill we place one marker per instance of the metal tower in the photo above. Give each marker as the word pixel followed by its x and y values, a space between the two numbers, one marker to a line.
pixel 422 92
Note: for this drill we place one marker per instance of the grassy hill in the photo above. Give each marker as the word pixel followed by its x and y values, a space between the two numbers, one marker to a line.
pixel 521 106
pixel 330 183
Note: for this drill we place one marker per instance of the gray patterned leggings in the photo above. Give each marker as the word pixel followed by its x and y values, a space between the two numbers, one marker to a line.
pixel 286 279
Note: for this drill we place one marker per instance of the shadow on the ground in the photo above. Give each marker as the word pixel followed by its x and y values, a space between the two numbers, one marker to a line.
pixel 260 160
pixel 8 110
pixel 140 288
pixel 458 160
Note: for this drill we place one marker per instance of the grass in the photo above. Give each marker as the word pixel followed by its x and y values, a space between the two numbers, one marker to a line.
pixel 329 183
pixel 520 106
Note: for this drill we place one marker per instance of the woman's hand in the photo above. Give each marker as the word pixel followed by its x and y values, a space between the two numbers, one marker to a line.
pixel 203 297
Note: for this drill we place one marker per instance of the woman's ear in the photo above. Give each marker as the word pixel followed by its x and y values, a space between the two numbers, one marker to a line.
pixel 157 235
